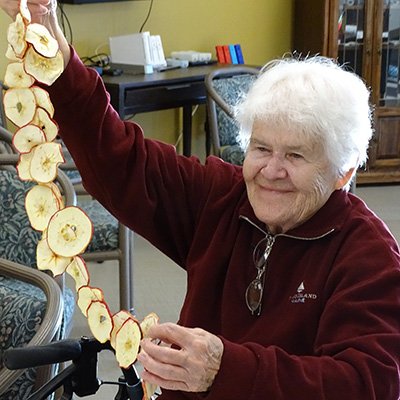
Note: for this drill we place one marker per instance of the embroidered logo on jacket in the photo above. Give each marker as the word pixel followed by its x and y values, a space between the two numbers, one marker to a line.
pixel 302 295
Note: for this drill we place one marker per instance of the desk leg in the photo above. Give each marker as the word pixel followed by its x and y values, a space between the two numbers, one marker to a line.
pixel 187 130
pixel 208 135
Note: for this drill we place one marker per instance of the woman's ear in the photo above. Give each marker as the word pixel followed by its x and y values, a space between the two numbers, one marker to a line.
pixel 342 181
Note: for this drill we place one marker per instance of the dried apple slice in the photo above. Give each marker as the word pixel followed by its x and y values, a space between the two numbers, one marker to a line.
pixel 79 272
pixel 40 204
pixel 10 54
pixel 148 390
pixel 43 100
pixel 69 232
pixel 16 76
pixel 148 321
pixel 57 193
pixel 127 343
pixel 27 137
pixel 16 36
pixel 118 320
pixel 19 105
pixel 24 11
pixel 87 294
pixel 45 159
pixel 99 320
pixel 43 69
pixel 40 38
pixel 48 260
pixel 48 125
pixel 24 167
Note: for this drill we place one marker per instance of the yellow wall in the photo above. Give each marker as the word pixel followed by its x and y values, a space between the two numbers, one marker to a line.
pixel 262 27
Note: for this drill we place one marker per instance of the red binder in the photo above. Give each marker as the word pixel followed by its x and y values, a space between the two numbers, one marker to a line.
pixel 220 54
pixel 227 54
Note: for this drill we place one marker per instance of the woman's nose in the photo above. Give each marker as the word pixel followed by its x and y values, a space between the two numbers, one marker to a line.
pixel 274 168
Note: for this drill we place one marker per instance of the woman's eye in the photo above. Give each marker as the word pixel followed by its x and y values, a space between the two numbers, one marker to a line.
pixel 296 156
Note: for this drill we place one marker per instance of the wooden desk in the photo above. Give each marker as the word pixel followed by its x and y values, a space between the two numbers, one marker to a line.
pixel 183 87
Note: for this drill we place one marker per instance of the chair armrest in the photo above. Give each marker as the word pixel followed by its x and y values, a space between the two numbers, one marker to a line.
pixel 52 319
pixel 5 135
pixel 6 140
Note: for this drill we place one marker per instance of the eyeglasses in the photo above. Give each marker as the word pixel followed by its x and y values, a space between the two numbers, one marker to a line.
pixel 254 291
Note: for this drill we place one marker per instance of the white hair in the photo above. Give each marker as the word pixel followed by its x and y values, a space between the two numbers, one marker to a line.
pixel 314 97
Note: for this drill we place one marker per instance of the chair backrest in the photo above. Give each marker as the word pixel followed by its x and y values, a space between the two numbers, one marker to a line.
pixel 18 240
pixel 225 87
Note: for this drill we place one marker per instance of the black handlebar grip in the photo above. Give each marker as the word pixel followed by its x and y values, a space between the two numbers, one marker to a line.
pixel 34 356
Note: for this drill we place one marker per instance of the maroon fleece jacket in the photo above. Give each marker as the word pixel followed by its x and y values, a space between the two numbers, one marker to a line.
pixel 330 321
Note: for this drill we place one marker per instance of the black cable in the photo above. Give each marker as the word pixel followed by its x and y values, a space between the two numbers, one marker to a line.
pixel 147 17
pixel 99 60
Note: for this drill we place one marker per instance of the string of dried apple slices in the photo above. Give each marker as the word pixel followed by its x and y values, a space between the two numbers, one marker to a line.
pixel 66 231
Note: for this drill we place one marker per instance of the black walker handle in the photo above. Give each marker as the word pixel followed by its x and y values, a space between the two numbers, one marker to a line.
pixel 53 353
pixel 80 377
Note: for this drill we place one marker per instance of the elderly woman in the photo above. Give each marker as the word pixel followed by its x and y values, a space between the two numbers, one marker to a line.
pixel 293 284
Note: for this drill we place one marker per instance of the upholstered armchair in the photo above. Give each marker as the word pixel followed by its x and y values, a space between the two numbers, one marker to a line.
pixel 31 312
pixel 111 240
pixel 18 240
pixel 224 88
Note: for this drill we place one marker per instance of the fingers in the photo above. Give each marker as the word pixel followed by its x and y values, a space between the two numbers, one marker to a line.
pixel 174 334
pixel 10 7
pixel 38 8
pixel 163 354
pixel 168 374
pixel 189 363
pixel 42 12
pixel 41 8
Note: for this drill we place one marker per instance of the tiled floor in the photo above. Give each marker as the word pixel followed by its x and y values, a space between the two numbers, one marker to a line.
pixel 160 284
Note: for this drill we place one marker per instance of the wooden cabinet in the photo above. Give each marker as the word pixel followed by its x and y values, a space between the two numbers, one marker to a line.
pixel 365 36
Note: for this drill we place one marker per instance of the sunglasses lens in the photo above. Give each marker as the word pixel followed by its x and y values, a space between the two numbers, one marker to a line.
pixel 254 295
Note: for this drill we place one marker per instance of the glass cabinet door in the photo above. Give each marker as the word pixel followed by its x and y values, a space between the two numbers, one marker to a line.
pixel 350 28
pixel 389 53
pixel 364 36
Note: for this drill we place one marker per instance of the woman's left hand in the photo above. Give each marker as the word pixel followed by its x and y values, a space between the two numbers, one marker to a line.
pixel 190 365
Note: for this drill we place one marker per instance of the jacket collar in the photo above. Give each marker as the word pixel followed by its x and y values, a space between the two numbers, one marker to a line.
pixel 330 217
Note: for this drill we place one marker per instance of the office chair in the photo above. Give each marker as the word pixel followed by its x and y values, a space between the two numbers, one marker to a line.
pixel 224 88
pixel 30 314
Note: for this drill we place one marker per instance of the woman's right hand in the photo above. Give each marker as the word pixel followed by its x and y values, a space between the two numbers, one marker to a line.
pixel 39 9
pixel 43 12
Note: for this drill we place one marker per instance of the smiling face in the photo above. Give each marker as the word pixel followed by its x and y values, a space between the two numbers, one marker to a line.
pixel 288 177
